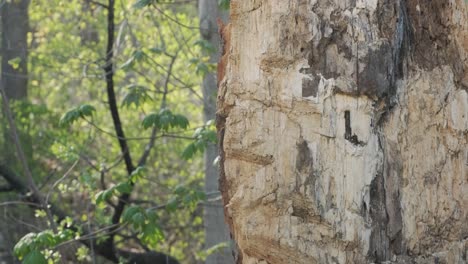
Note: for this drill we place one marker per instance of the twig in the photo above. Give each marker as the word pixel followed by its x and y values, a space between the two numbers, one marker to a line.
pixel 60 180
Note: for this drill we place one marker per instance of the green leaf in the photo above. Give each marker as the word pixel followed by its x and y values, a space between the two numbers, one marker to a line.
pixel 67 222
pixel 104 195
pixel 40 213
pixel 150 120
pixel 137 174
pixel 180 190
pixel 181 121
pixel 152 215
pixel 76 113
pixel 136 95
pixel 25 244
pixel 35 257
pixel 172 204
pixel 142 3
pixel 15 62
pixel 82 253
pixel 165 120
pixel 138 219
pixel 69 117
pixel 86 110
pixel 64 235
pixel 124 187
pixel 189 151
pixel 46 238
pixel 130 212
pixel 152 233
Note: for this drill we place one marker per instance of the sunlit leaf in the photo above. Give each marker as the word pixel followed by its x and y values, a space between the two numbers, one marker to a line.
pixel 24 245
pixel 82 253
pixel 15 62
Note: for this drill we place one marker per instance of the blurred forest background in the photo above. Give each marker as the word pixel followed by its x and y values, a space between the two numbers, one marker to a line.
pixel 102 131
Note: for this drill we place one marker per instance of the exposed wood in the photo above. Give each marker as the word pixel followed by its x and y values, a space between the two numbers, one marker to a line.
pixel 375 170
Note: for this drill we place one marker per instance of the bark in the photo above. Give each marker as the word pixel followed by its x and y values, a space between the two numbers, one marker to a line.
pixel 15 26
pixel 343 127
pixel 216 230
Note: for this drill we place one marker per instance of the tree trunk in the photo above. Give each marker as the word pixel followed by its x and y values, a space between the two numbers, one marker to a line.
pixel 15 27
pixel 343 127
pixel 14 52
pixel 216 230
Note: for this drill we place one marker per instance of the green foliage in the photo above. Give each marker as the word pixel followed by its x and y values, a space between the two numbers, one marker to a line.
pixel 144 221
pixel 136 95
pixel 203 136
pixel 35 257
pixel 185 197
pixel 164 120
pixel 82 253
pixel 65 69
pixel 137 174
pixel 15 62
pixel 104 195
pixel 30 246
pixel 74 114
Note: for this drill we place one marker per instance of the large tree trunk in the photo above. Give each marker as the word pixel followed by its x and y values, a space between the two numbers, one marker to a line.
pixel 216 230
pixel 343 127
pixel 13 77
pixel 15 26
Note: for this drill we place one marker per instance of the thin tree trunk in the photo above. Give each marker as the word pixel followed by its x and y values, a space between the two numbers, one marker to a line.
pixel 343 127
pixel 216 230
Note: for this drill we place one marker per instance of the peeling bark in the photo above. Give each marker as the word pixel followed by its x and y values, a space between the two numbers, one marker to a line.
pixel 343 129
